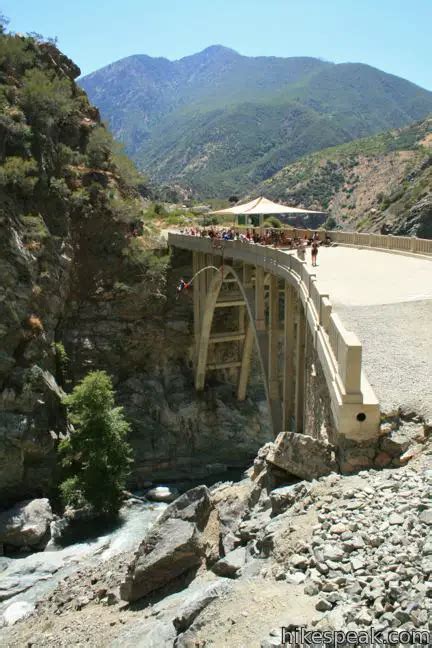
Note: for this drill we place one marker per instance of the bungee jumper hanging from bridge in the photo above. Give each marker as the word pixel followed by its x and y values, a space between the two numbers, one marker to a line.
pixel 183 285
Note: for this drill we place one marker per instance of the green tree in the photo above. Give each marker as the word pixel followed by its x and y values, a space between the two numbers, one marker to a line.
pixel 330 223
pixel 46 99
pixel 95 455
pixel 99 147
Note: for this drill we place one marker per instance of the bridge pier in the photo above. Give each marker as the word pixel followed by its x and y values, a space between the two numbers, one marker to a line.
pixel 300 368
pixel 273 351
pixel 288 382
pixel 260 322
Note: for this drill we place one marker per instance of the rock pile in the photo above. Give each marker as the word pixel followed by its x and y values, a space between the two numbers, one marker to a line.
pixel 335 553
pixel 370 555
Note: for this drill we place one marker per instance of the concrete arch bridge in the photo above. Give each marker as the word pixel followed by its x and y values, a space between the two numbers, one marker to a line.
pixel 311 364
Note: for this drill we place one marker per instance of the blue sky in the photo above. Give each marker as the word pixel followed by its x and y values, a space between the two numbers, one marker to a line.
pixel 393 35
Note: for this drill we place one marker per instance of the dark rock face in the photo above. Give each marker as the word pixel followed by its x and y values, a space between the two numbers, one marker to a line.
pixel 145 341
pixel 419 221
pixel 174 546
pixel 29 393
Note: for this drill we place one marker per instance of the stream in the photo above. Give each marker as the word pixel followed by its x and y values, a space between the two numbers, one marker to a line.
pixel 25 580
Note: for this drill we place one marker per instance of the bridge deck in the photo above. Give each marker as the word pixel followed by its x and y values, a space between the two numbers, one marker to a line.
pixel 386 300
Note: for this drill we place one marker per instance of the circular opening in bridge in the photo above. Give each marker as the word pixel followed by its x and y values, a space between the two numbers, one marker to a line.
pixel 361 416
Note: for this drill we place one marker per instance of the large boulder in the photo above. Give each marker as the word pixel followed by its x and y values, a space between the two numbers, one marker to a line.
pixel 302 455
pixel 233 502
pixel 175 545
pixel 162 494
pixel 26 524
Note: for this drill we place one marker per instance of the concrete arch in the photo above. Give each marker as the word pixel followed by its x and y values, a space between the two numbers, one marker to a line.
pixel 252 334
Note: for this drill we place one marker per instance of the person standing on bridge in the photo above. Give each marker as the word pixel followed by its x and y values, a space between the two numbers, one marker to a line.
pixel 314 253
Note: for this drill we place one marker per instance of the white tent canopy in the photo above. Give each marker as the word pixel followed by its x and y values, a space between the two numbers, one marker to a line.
pixel 262 206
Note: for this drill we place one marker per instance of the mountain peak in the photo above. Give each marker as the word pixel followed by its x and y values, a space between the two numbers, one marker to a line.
pixel 218 49
pixel 214 52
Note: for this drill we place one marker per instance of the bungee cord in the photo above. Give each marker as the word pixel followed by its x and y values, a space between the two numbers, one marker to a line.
pixel 184 285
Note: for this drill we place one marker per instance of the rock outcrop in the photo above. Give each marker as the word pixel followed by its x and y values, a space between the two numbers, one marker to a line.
pixel 418 222
pixel 176 545
pixel 338 552
pixel 26 524
pixel 302 455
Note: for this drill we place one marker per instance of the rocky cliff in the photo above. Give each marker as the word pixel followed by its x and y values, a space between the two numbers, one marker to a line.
pixel 83 285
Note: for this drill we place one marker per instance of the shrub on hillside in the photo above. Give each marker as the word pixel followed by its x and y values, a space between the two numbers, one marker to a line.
pixel 95 455
pixel 18 175
pixel 45 99
pixel 15 52
pixel 99 148
pixel 128 172
pixel 330 223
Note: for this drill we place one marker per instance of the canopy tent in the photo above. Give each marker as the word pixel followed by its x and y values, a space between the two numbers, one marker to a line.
pixel 262 207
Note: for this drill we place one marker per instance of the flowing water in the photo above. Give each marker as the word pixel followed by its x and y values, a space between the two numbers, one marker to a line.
pixel 25 580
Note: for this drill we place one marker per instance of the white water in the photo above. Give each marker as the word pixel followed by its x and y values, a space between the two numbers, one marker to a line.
pixel 26 580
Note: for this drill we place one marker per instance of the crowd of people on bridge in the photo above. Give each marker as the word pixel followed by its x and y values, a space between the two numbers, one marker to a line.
pixel 286 239
pixel 283 238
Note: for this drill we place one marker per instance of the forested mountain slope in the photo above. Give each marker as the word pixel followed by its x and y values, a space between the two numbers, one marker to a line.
pixel 218 122
pixel 380 182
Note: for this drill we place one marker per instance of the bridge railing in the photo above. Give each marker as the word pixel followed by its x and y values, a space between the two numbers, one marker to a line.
pixel 404 244
pixel 344 346
pixel 409 244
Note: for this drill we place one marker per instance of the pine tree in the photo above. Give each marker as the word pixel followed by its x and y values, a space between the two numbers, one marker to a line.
pixel 95 455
